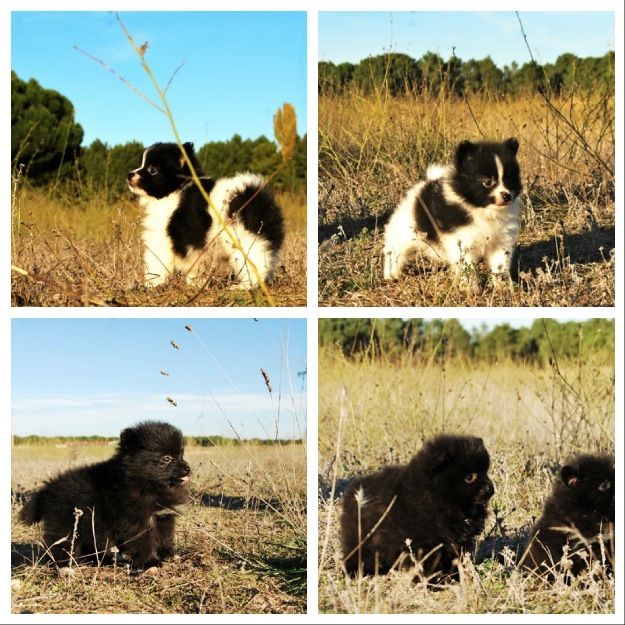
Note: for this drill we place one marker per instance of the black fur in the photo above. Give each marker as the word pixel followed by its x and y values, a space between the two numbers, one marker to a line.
pixel 190 222
pixel 129 501
pixel 257 210
pixel 578 512
pixel 440 506
pixel 445 220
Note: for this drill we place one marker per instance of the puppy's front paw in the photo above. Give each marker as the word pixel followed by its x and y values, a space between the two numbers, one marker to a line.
pixel 392 267
pixel 242 286
pixel 67 572
pixel 151 572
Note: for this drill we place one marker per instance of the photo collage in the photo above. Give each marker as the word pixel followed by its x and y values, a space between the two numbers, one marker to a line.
pixel 315 312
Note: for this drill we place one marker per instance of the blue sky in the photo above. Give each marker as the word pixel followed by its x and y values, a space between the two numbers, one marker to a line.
pixel 353 36
pixel 238 69
pixel 97 376
pixel 470 324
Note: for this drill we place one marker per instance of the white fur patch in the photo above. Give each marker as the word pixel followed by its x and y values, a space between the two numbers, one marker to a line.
pixel 400 236
pixel 226 187
pixel 434 172
pixel 499 166
pixel 159 258
pixel 490 236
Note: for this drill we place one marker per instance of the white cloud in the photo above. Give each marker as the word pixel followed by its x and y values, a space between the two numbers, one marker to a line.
pixel 249 415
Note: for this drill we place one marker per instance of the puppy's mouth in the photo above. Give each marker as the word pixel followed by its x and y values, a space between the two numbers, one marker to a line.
pixel 134 187
pixel 482 500
pixel 133 184
pixel 184 478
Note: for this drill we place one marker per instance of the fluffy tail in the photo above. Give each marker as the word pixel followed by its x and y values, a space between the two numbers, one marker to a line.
pixel 32 511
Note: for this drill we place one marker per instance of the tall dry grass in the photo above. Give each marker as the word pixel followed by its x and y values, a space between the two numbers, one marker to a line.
pixel 67 252
pixel 372 148
pixel 373 413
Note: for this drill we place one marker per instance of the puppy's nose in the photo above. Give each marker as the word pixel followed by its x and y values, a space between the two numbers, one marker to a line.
pixel 186 469
pixel 130 175
pixel 505 196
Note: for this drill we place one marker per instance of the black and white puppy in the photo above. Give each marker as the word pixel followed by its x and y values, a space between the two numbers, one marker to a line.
pixel 465 212
pixel 179 225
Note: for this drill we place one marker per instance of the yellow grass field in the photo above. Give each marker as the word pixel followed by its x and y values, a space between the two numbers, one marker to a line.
pixel 373 148
pixel 241 543
pixel 66 252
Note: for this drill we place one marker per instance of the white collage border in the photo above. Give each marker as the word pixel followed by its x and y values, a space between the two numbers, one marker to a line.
pixel 312 312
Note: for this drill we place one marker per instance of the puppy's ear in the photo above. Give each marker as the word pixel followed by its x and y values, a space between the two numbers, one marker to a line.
pixel 512 145
pixel 569 477
pixel 129 441
pixel 465 150
pixel 440 460
pixel 189 149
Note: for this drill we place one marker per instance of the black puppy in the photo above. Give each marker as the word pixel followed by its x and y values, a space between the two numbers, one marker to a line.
pixel 576 526
pixel 129 501
pixel 431 508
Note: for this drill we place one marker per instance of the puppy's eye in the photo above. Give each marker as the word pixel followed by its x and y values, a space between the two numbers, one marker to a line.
pixel 604 487
pixel 167 459
pixel 469 478
pixel 151 170
pixel 489 183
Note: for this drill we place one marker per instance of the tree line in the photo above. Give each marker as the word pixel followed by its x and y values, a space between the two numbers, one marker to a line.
pixel 46 148
pixel 401 74
pixel 539 343
pixel 199 441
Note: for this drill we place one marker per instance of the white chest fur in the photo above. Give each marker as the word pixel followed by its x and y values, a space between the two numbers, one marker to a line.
pixel 159 258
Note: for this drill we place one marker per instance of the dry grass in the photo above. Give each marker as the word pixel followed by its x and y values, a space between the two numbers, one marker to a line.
pixel 240 544
pixel 69 253
pixel 372 149
pixel 372 414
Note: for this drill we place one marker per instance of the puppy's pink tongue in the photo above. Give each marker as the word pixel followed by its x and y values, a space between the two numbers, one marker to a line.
pixel 184 478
